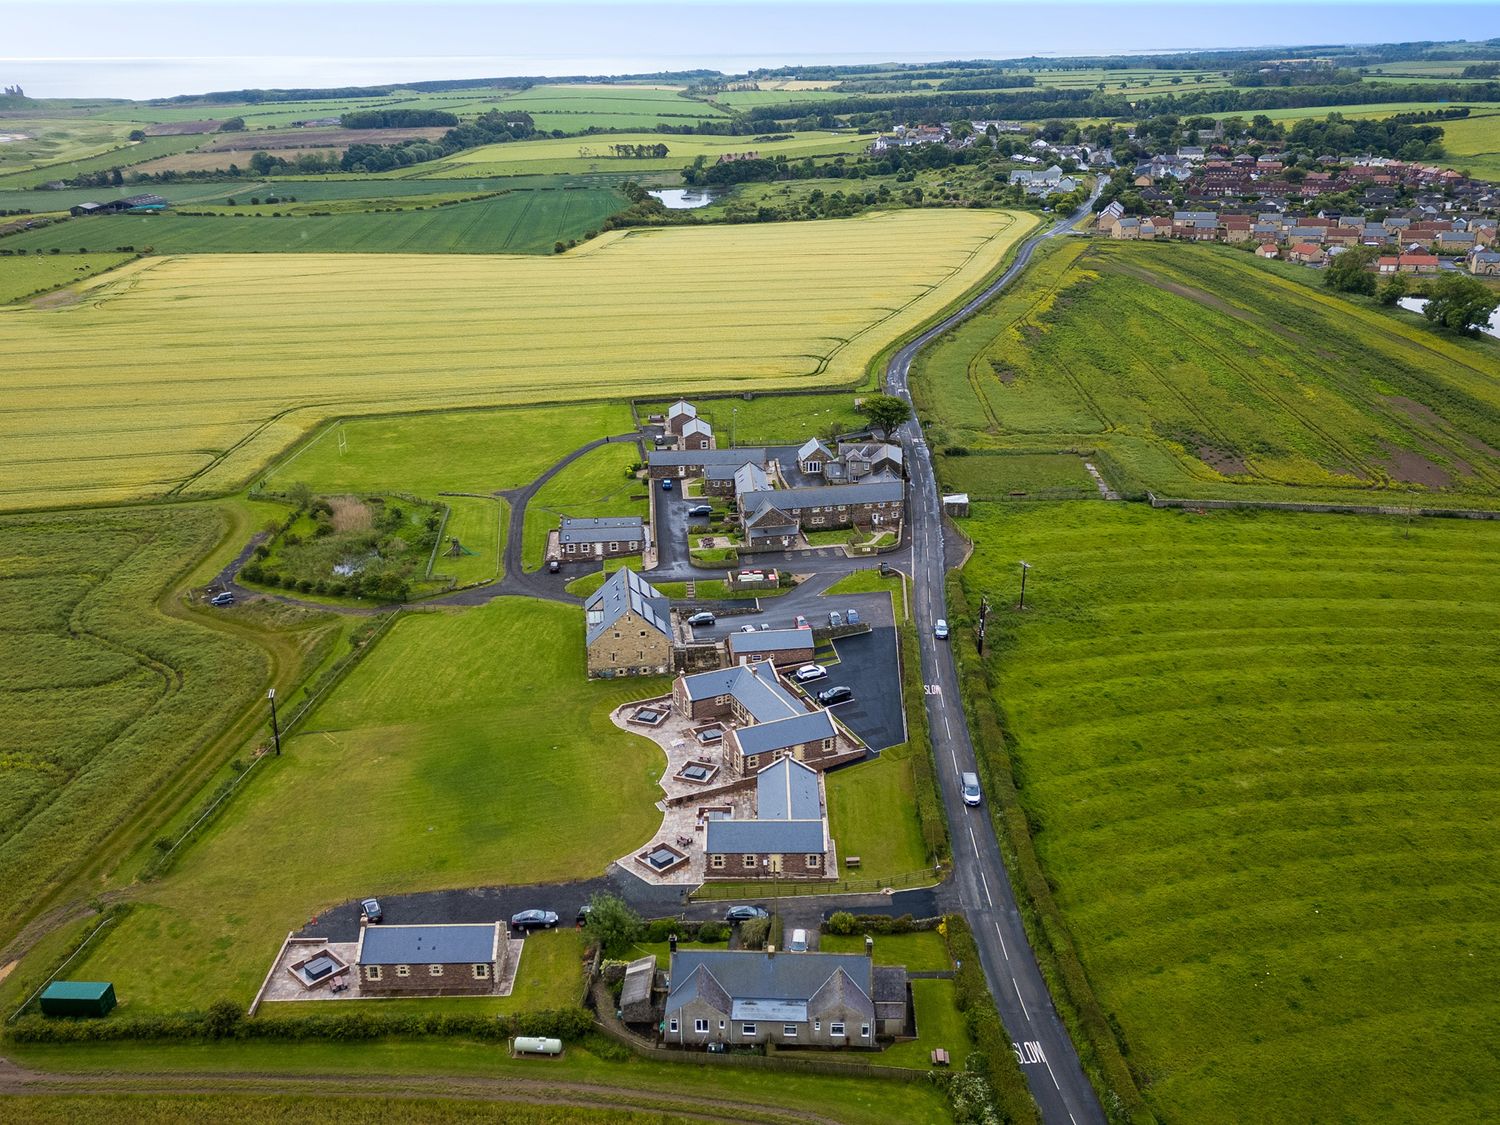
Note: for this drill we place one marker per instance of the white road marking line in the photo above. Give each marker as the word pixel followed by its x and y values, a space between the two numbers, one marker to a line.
pixel 1073 1119
pixel 986 883
pixel 1054 1077
pixel 1024 1012
pixel 954 755
pixel 947 728
pixel 999 933
pixel 973 841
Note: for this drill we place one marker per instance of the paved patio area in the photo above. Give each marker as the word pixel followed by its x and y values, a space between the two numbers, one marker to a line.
pixel 681 826
pixel 282 986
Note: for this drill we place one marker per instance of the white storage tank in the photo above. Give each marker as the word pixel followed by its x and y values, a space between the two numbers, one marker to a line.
pixel 535 1045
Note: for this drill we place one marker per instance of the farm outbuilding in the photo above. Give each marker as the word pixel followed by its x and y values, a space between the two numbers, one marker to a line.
pixel 78 998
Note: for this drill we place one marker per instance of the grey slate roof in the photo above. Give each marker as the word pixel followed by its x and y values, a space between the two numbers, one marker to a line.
pixel 758 691
pixel 766 738
pixel 763 837
pixel 735 457
pixel 788 790
pixel 811 446
pixel 827 496
pixel 424 945
pixel 612 529
pixel 625 591
pixel 769 640
pixel 746 976
pixel 750 477
pixel 639 975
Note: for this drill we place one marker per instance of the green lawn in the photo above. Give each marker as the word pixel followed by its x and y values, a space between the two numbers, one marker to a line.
pixel 920 951
pixel 597 484
pixel 521 222
pixel 871 581
pixel 458 753
pixel 871 815
pixel 480 527
pixel 772 419
pixel 1022 476
pixel 1198 372
pixel 460 451
pixel 662 952
pixel 939 1024
pixel 28 276
pixel 1259 755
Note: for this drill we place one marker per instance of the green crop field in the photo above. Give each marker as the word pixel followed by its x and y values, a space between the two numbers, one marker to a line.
pixel 25 277
pixel 1259 753
pixel 1027 476
pixel 592 154
pixel 1474 143
pixel 522 222
pixel 189 373
pixel 598 484
pixel 103 697
pixel 461 741
pixel 1201 373
pixel 133 152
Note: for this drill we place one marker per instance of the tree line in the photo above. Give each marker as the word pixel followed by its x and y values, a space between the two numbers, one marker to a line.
pixel 397 118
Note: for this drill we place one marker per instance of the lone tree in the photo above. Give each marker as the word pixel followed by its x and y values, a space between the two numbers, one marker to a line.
pixel 612 924
pixel 886 412
pixel 1459 303
pixel 1349 272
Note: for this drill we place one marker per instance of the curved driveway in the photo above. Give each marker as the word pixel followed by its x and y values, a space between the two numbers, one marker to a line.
pixel 1048 1057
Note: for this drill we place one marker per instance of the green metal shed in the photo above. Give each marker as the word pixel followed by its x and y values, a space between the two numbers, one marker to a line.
pixel 78 998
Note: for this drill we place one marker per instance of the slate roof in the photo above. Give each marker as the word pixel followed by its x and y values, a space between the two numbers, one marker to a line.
pixel 682 407
pixel 788 790
pixel 767 738
pixel 734 457
pixel 811 446
pixel 750 477
pixel 624 591
pixel 769 640
pixel 764 837
pixel 424 945
pixel 757 690
pixel 747 977
pixel 602 530
pixel 696 427
pixel 827 496
pixel 789 812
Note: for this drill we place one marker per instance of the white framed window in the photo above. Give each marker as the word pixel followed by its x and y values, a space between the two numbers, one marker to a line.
pixel 372 972
pixel 716 861
pixel 789 1031
pixel 814 859
pixel 434 970
pixel 481 970
pixel 614 546
pixel 864 1031
pixel 700 1026
pixel 747 1029
pixel 835 1029
pixel 817 1025
pixel 721 1025
pixel 672 1025
pixel 403 970
pixel 748 860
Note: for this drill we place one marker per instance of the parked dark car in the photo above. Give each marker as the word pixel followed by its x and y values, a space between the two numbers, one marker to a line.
pixel 744 913
pixel 840 694
pixel 699 510
pixel 702 617
pixel 553 566
pixel 583 914
pixel 666 486
pixel 533 920
pixel 370 910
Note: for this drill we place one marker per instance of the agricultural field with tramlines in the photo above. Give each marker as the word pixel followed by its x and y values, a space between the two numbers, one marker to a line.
pixel 184 375
pixel 1202 373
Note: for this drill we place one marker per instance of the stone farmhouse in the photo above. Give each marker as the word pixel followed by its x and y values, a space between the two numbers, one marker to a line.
pixel 835 1000
pixel 787 838
pixel 852 462
pixel 780 646
pixel 773 519
pixel 604 538
pixel 627 628
pixel 712 464
pixel 446 960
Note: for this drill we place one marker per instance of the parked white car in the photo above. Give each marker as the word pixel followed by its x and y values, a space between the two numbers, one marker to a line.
pixel 809 672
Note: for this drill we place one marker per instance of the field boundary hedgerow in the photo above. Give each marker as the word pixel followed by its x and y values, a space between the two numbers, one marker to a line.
pixel 1326 508
pixel 1088 1024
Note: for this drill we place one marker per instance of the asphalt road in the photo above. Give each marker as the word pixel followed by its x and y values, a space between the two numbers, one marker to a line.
pixel 1047 1055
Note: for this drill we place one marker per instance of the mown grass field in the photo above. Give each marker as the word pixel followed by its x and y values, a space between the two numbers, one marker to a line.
pixel 592 154
pixel 102 698
pixel 460 752
pixel 21 278
pixel 1474 143
pixel 871 814
pixel 523 222
pixel 480 527
pixel 1259 754
pixel 1197 372
pixel 123 155
pixel 597 484
pixel 772 419
pixel 460 451
pixel 184 375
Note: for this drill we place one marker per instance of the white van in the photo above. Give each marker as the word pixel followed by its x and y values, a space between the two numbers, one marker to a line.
pixel 798 944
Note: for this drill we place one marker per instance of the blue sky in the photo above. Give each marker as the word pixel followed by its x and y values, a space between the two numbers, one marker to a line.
pixel 144 48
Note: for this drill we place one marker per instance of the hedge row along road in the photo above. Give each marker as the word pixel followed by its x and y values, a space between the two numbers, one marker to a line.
pixel 1047 1055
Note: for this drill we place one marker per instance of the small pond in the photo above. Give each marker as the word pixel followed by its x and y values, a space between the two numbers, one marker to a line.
pixel 1417 304
pixel 684 199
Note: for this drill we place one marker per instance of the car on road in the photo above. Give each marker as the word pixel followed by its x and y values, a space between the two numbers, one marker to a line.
pixel 940 630
pixel 810 672
pixel 745 913
pixel 835 618
pixel 666 486
pixel 553 566
pixel 834 695
pixel 747 629
pixel 697 511
pixel 702 617
pixel 533 920
pixel 226 598
pixel 969 784
pixel 370 910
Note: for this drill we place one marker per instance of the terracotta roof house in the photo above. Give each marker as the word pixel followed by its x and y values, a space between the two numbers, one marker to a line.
pixel 786 838
pixel 430 960
pixel 818 999
pixel 1305 252
pixel 1388 263
pixel 627 627
pixel 1419 263
pixel 1267 250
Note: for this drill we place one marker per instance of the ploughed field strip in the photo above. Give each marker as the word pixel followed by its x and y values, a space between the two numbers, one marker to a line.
pixel 1199 373
pixel 1260 752
pixel 186 374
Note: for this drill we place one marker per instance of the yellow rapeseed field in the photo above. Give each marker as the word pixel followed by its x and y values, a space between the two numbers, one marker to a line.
pixel 186 375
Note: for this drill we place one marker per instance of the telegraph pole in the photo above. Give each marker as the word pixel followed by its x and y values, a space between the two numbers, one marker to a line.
pixel 275 729
pixel 1025 566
